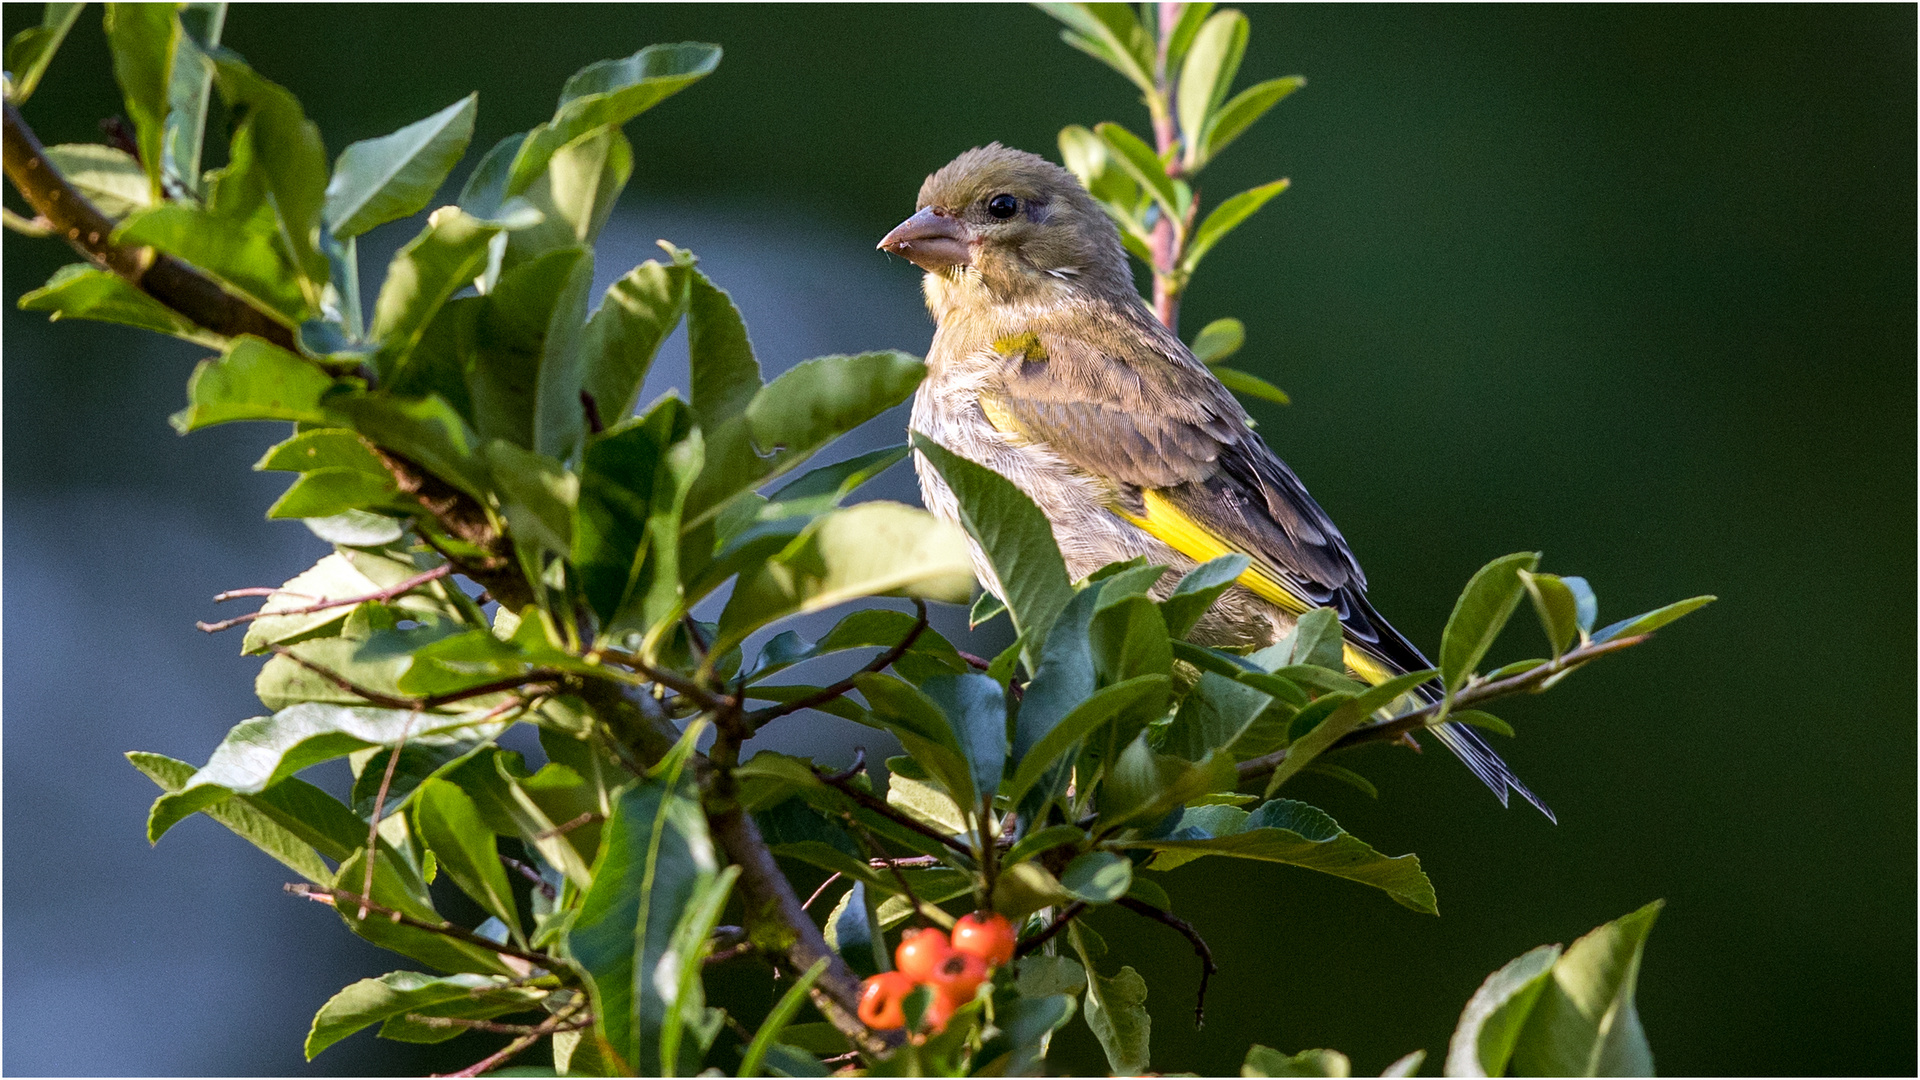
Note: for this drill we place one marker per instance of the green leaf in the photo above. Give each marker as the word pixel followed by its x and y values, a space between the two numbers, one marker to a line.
pixel 1227 217
pixel 245 253
pixel 608 94
pixel 1216 712
pixel 1192 17
pixel 1586 605
pixel 635 316
pixel 291 159
pixel 80 291
pixel 725 377
pixel 1285 831
pixel 394 176
pixel 259 753
pixel 451 826
pixel 372 1001
pixel 1034 843
pixel 188 90
pixel 1116 1011
pixel 253 381
pixel 1653 620
pixel 655 859
pixel 332 578
pixel 1350 713
pixel 1248 105
pixel 1490 1025
pixel 817 401
pixel 1584 1022
pixel 434 265
pixel 575 195
pixel 1316 639
pixel 109 177
pixel 142 38
pixel 976 709
pixel 1344 775
pixel 1098 708
pixel 1129 639
pixel 319 448
pixel 1218 340
pixel 986 608
pixel 425 430
pixel 1557 607
pixel 1139 161
pixel 1098 877
pixel 32 49
pixel 397 888
pixel 871 549
pixel 1142 786
pixel 1266 1061
pixel 776 1022
pixel 538 496
pixel 1247 384
pixel 526 375
pixel 928 735
pixel 1207 74
pixel 1016 539
pixel 824 488
pixel 246 820
pixel 485 191
pixel 329 490
pixel 1481 720
pixel 1111 34
pixel 1086 156
pixel 626 533
pixel 678 975
pixel 1480 613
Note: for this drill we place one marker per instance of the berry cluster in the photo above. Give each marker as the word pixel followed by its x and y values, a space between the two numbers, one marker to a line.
pixel 954 967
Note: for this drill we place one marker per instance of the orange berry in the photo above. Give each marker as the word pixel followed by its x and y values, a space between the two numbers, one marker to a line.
pixel 988 937
pixel 957 977
pixel 880 998
pixel 939 1011
pixel 919 952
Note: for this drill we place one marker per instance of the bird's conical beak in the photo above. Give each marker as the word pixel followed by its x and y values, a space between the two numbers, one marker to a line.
pixel 931 240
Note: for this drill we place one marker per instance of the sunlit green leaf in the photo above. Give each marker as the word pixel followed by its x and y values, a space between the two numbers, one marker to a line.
pixel 81 291
pixel 1266 1061
pixel 1110 33
pixel 1490 1025
pixel 608 94
pixel 1097 709
pixel 1143 165
pixel 1248 105
pixel 142 38
pixel 111 180
pixel 1250 385
pixel 246 820
pixel 814 402
pixel 291 159
pixel 189 89
pixel 1557 607
pixel 32 49
pixel 1584 1022
pixel 451 826
pixel 1285 831
pixel 244 253
pixel 1225 218
pixel 394 176
pixel 1116 1010
pixel 1213 715
pixel 253 381
pixel 1098 877
pixel 635 316
pixel 330 490
pixel 1207 75
pixel 427 431
pixel 1017 539
pixel 1653 620
pixel 1218 340
pixel 1480 614
pixel 397 888
pixel 371 1001
pixel 1086 156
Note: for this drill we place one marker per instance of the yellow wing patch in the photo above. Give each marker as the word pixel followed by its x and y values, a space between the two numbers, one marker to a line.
pixel 1000 416
pixel 1171 526
pixel 1026 343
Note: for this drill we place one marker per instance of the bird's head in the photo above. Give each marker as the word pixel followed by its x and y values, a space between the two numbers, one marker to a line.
pixel 998 225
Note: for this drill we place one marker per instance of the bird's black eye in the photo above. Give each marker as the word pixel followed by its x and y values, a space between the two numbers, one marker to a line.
pixel 1003 206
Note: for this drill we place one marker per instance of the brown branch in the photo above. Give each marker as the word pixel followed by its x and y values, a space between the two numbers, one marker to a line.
pixel 769 898
pixel 379 804
pixel 557 1022
pixel 567 826
pixel 322 895
pixel 377 596
pixel 155 273
pixel 754 720
pixel 1467 697
pixel 687 688
pixel 531 875
pixel 1067 914
pixel 1207 966
pixel 821 891
pixel 258 590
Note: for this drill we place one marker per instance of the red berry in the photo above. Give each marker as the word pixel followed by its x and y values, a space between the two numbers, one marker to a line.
pixel 988 937
pixel 919 952
pixel 957 977
pixel 939 1011
pixel 880 998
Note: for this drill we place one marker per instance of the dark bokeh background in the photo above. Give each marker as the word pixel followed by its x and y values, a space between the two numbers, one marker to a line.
pixel 1634 286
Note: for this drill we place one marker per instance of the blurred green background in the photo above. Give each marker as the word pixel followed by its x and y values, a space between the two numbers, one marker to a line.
pixel 1634 286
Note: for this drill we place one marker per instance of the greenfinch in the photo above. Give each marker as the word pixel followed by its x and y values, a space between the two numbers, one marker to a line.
pixel 1048 368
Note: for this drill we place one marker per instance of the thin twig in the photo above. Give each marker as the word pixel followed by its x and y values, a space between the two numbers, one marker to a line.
pixel 322 895
pixel 759 717
pixel 867 800
pixel 1469 696
pixel 1207 966
pixel 492 1061
pixel 377 596
pixel 821 890
pixel 877 854
pixel 259 590
pixel 531 875
pixel 567 826
pixel 1067 914
pixel 379 804
pixel 700 695
pixel 489 1025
